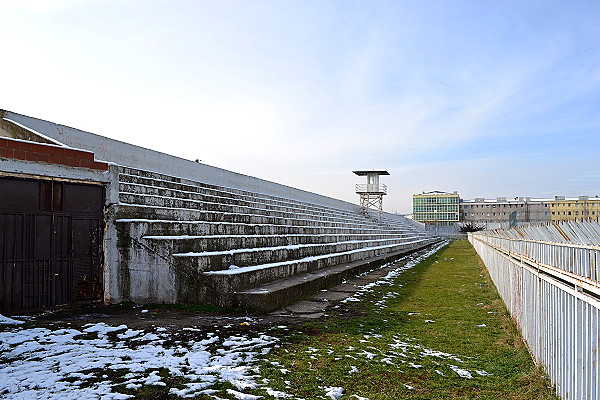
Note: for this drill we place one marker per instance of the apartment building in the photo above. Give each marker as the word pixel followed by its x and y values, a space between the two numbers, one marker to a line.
pixel 503 212
pixel 580 208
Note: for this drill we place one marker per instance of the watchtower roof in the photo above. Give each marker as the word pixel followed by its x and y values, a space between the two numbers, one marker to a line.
pixel 371 171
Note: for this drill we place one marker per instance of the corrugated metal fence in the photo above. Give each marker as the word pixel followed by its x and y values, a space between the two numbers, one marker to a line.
pixel 548 278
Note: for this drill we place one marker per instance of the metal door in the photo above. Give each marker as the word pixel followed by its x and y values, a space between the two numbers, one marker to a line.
pixel 50 243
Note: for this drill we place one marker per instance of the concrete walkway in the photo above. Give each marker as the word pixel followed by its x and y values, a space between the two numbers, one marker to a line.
pixel 316 306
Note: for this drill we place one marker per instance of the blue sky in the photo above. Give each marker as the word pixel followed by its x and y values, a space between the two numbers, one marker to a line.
pixel 486 98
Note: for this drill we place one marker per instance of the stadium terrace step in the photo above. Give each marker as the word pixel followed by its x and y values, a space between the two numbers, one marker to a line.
pixel 218 260
pixel 214 244
pixel 243 279
pixel 163 227
pixel 152 195
pixel 275 295
pixel 169 202
pixel 237 196
pixel 215 191
pixel 129 211
pixel 200 197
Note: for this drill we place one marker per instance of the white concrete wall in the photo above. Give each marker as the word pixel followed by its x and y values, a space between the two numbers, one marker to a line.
pixel 37 169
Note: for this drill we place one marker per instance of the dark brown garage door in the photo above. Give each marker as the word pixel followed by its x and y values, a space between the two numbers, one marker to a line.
pixel 50 243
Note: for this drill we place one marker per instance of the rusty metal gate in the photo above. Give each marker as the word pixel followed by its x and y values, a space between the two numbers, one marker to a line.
pixel 50 243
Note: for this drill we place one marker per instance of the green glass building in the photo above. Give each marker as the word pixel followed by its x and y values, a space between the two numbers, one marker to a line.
pixel 436 208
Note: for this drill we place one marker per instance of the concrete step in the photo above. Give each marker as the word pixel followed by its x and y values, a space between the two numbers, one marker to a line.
pixel 247 257
pixel 136 211
pixel 158 180
pixel 135 175
pixel 255 204
pixel 273 296
pixel 148 227
pixel 170 202
pixel 253 198
pixel 224 282
pixel 216 243
pixel 210 241
pixel 211 195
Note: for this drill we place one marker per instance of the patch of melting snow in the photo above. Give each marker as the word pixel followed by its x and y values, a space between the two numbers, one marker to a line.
pixel 63 363
pixel 277 394
pixel 9 321
pixel 368 355
pixel 463 373
pixel 242 396
pixel 389 279
pixel 334 392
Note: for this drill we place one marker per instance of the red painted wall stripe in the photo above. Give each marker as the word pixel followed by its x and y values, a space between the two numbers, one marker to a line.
pixel 51 154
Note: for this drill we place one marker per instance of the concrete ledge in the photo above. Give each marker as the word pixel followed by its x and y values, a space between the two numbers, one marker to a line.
pixel 276 295
pixel 164 227
pixel 225 282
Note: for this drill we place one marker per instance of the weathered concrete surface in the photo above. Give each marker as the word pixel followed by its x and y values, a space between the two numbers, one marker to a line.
pixel 316 305
pixel 175 244
pixel 276 295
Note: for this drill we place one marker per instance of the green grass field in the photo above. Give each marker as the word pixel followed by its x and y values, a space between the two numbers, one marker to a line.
pixel 437 331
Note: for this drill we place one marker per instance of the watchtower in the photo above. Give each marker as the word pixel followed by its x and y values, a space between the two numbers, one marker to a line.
pixel 371 194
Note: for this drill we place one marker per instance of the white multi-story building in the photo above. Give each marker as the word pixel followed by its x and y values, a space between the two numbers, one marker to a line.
pixel 501 212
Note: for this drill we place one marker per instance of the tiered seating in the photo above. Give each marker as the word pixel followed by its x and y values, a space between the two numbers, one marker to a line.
pixel 230 247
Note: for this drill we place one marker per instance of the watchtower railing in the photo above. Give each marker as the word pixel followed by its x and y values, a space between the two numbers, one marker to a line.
pixel 371 188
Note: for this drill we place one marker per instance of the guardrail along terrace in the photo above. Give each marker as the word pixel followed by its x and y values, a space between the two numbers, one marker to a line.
pixel 548 277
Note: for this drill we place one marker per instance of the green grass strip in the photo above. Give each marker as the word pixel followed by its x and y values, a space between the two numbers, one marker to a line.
pixel 437 331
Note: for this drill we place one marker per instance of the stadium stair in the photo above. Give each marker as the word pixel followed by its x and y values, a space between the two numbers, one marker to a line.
pixel 230 247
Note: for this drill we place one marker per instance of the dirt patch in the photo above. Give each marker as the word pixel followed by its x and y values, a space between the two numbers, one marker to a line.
pixel 144 317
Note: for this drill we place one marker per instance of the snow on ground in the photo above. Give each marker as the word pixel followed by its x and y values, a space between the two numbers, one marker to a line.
pixel 389 279
pixel 334 392
pixel 40 363
pixel 403 352
pixel 8 321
